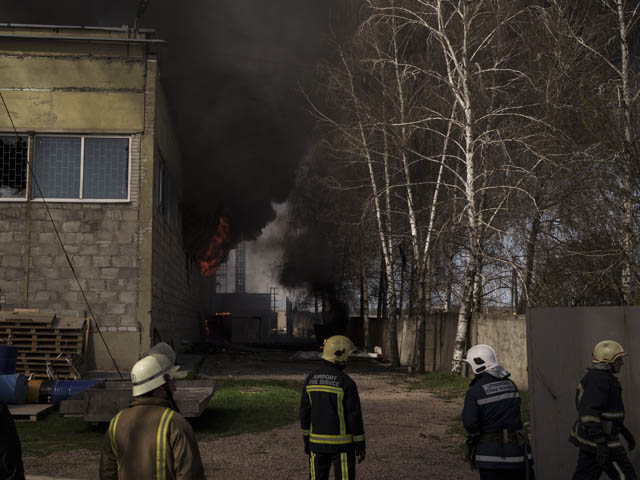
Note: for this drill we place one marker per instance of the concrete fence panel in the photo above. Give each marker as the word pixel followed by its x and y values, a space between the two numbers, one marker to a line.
pixel 507 334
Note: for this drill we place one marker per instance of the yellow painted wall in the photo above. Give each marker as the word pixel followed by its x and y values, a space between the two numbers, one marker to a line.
pixel 74 112
pixel 52 73
pixel 72 87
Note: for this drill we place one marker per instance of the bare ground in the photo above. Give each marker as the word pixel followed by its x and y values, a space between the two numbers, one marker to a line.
pixel 408 431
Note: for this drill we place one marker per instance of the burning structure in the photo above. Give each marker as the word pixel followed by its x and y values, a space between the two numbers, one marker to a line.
pixel 94 159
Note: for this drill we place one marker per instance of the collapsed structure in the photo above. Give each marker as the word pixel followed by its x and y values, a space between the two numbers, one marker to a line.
pixel 92 120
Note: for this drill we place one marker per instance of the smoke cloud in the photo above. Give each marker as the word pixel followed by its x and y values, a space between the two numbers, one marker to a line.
pixel 231 69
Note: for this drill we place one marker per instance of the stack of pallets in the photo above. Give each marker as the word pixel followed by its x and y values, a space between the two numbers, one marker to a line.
pixel 48 347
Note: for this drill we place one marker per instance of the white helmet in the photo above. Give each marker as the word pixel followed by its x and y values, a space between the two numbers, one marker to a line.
pixel 149 373
pixel 481 358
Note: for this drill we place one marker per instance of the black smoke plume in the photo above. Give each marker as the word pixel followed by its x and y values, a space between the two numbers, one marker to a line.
pixel 231 69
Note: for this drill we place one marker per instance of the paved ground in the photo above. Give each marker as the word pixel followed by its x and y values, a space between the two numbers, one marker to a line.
pixel 408 431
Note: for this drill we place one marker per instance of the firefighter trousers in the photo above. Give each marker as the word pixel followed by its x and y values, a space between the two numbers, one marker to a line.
pixel 344 465
pixel 503 474
pixel 617 468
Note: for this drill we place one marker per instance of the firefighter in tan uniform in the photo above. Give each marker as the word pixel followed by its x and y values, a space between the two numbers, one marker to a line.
pixel 149 439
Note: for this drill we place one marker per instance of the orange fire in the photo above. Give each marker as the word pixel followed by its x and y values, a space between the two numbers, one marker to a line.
pixel 217 249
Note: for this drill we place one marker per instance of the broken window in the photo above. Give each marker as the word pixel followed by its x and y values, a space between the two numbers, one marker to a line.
pixel 13 167
pixel 92 168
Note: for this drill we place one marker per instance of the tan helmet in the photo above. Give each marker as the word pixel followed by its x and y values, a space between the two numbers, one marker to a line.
pixel 151 372
pixel 337 349
pixel 607 351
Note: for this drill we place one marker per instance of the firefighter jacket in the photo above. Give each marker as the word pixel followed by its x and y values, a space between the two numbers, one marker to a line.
pixel 10 452
pixel 491 416
pixel 330 414
pixel 150 440
pixel 600 410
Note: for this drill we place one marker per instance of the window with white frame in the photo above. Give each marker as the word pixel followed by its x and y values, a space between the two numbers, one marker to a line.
pixel 81 167
pixel 13 167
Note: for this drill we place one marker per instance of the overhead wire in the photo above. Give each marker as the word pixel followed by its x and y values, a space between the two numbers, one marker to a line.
pixel 64 250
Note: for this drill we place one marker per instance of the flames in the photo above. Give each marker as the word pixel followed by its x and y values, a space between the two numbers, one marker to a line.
pixel 217 249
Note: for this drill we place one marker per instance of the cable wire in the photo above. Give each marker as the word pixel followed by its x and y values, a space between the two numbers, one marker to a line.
pixel 64 250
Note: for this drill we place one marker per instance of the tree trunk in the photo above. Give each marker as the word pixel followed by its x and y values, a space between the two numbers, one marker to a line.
pixel 364 300
pixel 477 288
pixel 464 315
pixel 464 98
pixel 626 157
pixel 530 261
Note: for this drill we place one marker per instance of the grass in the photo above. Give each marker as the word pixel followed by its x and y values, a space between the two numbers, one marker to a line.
pixel 243 406
pixel 444 384
pixel 54 433
pixel 237 407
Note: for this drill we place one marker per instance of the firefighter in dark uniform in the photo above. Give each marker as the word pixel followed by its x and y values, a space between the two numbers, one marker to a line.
pixel 601 418
pixel 496 443
pixel 11 467
pixel 330 415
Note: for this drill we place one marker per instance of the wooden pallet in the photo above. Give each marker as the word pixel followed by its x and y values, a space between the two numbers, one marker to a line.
pixel 47 345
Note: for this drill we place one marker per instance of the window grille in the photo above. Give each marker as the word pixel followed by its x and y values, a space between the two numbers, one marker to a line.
pixel 57 167
pixel 106 168
pixel 13 167
pixel 92 168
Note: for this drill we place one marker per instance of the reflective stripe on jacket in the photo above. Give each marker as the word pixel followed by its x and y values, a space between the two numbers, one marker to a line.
pixel 492 412
pixel 600 410
pixel 330 414
pixel 149 440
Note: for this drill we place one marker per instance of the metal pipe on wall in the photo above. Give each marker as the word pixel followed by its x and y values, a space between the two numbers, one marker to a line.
pixel 27 244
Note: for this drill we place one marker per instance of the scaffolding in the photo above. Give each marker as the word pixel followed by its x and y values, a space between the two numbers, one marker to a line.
pixel 221 278
pixel 240 268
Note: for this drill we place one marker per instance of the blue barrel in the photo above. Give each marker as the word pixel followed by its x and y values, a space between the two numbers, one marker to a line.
pixel 13 388
pixel 64 389
pixel 8 355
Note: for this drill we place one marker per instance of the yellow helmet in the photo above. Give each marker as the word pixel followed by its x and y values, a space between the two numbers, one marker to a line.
pixel 337 349
pixel 607 351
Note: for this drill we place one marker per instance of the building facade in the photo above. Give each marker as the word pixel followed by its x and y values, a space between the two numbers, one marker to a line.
pixel 95 159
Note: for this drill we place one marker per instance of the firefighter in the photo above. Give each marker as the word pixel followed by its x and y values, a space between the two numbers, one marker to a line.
pixel 496 443
pixel 149 438
pixel 11 467
pixel 601 418
pixel 330 415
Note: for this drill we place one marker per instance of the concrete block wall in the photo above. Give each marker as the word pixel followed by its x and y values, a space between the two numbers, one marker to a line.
pixel 177 311
pixel 101 241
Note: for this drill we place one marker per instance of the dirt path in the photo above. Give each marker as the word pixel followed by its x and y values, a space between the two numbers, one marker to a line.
pixel 408 435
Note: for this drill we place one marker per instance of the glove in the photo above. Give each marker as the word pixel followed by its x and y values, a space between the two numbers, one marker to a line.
pixel 470 448
pixel 628 436
pixel 602 452
pixel 361 454
pixel 307 450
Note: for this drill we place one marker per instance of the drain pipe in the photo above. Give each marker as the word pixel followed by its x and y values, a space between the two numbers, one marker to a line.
pixel 27 244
